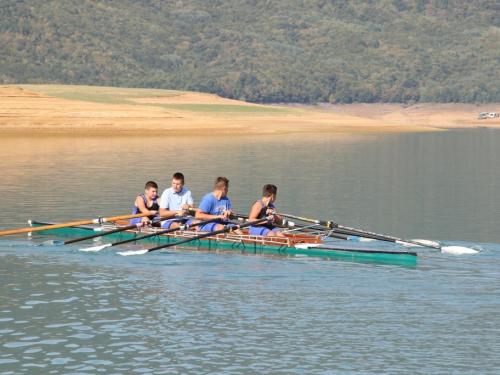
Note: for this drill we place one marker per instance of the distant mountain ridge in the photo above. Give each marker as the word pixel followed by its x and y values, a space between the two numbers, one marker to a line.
pixel 338 51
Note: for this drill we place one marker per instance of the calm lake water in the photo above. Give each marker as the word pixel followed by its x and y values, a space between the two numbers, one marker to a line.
pixel 63 311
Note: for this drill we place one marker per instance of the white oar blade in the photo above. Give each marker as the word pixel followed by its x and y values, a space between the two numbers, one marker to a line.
pixel 52 243
pixel 363 239
pixel 132 252
pixel 95 248
pixel 423 243
pixel 458 250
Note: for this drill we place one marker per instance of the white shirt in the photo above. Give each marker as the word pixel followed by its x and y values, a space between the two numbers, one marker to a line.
pixel 172 201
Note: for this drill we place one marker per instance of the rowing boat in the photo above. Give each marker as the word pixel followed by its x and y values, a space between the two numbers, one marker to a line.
pixel 293 244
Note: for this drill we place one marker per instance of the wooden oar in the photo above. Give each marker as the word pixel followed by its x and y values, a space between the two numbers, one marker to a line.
pixel 72 224
pixel 105 233
pixel 382 237
pixel 157 233
pixel 226 229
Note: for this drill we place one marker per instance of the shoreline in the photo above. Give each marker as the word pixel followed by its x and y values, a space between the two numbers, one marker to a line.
pixel 53 110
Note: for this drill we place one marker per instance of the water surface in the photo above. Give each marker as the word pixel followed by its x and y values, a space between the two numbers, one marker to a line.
pixel 174 312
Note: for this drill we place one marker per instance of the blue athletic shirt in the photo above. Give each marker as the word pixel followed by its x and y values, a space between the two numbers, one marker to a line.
pixel 213 206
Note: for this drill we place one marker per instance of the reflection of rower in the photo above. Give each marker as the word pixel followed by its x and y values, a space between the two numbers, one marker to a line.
pixel 176 200
pixel 216 205
pixel 147 203
pixel 265 208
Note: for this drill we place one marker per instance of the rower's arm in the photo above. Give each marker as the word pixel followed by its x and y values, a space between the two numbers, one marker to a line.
pixel 139 202
pixel 278 219
pixel 201 215
pixel 165 212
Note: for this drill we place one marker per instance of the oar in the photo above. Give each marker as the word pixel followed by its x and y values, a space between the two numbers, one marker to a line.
pixel 226 229
pixel 72 224
pixel 382 237
pixel 351 236
pixel 184 227
pixel 291 226
pixel 105 233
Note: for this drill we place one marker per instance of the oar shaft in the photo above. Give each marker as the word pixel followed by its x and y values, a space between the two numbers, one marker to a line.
pixel 361 232
pixel 162 232
pixel 309 229
pixel 208 234
pixel 72 224
pixel 224 230
pixel 383 237
pixel 105 233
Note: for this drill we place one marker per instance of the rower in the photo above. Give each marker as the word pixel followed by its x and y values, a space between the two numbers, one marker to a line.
pixel 147 203
pixel 216 205
pixel 176 200
pixel 265 208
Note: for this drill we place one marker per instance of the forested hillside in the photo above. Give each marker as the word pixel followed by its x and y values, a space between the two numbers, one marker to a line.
pixel 261 50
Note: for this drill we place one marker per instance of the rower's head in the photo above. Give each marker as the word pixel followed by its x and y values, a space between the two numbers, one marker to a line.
pixel 222 184
pixel 151 189
pixel 177 182
pixel 270 191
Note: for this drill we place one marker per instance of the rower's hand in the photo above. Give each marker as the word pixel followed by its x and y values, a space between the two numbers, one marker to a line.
pixel 270 214
pixel 181 213
pixel 226 214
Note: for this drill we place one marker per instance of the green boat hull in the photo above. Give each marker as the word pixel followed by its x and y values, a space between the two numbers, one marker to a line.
pixel 333 251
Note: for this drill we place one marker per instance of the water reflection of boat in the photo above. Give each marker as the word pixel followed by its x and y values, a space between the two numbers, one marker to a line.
pixel 293 244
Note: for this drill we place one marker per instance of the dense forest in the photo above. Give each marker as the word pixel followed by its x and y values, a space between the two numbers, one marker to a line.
pixel 338 51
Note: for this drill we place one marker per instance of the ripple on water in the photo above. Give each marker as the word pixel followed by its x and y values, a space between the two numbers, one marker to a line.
pixel 200 313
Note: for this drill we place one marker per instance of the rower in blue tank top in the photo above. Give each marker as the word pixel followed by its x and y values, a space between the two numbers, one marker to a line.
pixel 264 208
pixel 216 205
pixel 148 203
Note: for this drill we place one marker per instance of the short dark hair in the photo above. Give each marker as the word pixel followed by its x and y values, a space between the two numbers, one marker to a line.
pixel 150 184
pixel 220 182
pixel 178 176
pixel 269 190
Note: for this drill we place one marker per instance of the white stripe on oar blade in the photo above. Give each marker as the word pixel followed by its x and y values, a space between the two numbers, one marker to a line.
pixel 96 248
pixel 364 239
pixel 421 243
pixel 458 250
pixel 306 245
pixel 133 252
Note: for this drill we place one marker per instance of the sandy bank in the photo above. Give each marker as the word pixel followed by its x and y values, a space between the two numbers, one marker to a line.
pixel 51 109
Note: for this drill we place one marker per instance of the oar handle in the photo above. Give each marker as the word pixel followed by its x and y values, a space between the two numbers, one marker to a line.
pixel 208 234
pixel 73 224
